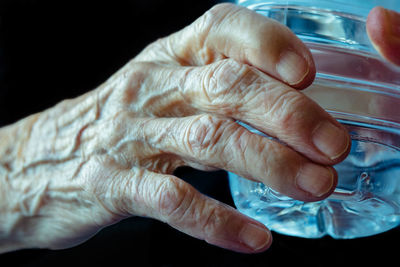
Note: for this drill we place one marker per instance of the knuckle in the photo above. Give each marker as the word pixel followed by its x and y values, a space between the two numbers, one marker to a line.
pixel 216 217
pixel 128 81
pixel 226 82
pixel 217 14
pixel 203 133
pixel 179 206
pixel 138 73
pixel 222 7
pixel 289 109
pixel 175 198
pixel 210 21
pixel 214 221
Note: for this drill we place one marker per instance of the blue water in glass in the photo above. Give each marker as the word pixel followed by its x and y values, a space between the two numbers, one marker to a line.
pixel 363 93
pixel 365 202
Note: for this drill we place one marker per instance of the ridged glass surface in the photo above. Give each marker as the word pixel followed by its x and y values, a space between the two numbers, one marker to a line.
pixel 363 92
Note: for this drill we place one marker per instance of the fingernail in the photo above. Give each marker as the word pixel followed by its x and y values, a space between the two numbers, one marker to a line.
pixel 330 140
pixel 292 68
pixel 255 236
pixel 314 179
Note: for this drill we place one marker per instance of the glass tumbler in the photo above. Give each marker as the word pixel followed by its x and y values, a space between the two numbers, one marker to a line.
pixel 362 91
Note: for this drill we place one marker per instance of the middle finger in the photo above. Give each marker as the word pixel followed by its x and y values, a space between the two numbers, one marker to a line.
pixel 239 91
pixel 235 90
pixel 222 143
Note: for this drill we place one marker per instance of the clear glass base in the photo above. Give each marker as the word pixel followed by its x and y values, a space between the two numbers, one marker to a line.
pixel 362 91
pixel 365 202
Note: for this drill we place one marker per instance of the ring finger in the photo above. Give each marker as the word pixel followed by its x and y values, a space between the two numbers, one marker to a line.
pixel 222 143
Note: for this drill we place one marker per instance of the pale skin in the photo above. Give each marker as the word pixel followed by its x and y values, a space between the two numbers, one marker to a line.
pixel 89 162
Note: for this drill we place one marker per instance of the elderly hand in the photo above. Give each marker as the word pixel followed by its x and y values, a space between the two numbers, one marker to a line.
pixel 89 162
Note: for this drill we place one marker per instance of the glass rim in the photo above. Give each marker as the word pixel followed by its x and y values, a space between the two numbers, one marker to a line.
pixel 357 7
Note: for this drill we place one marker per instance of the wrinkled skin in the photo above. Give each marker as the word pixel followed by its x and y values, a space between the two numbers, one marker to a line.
pixel 89 162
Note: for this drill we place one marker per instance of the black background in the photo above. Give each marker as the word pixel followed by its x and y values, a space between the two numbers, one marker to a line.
pixel 52 50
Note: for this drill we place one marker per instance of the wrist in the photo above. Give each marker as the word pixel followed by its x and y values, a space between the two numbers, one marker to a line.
pixel 11 143
pixel 37 156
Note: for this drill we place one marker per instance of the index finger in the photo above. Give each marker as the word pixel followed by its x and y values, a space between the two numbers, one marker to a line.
pixel 236 32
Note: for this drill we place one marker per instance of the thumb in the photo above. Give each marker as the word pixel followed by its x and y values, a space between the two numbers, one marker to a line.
pixel 383 28
pixel 172 200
